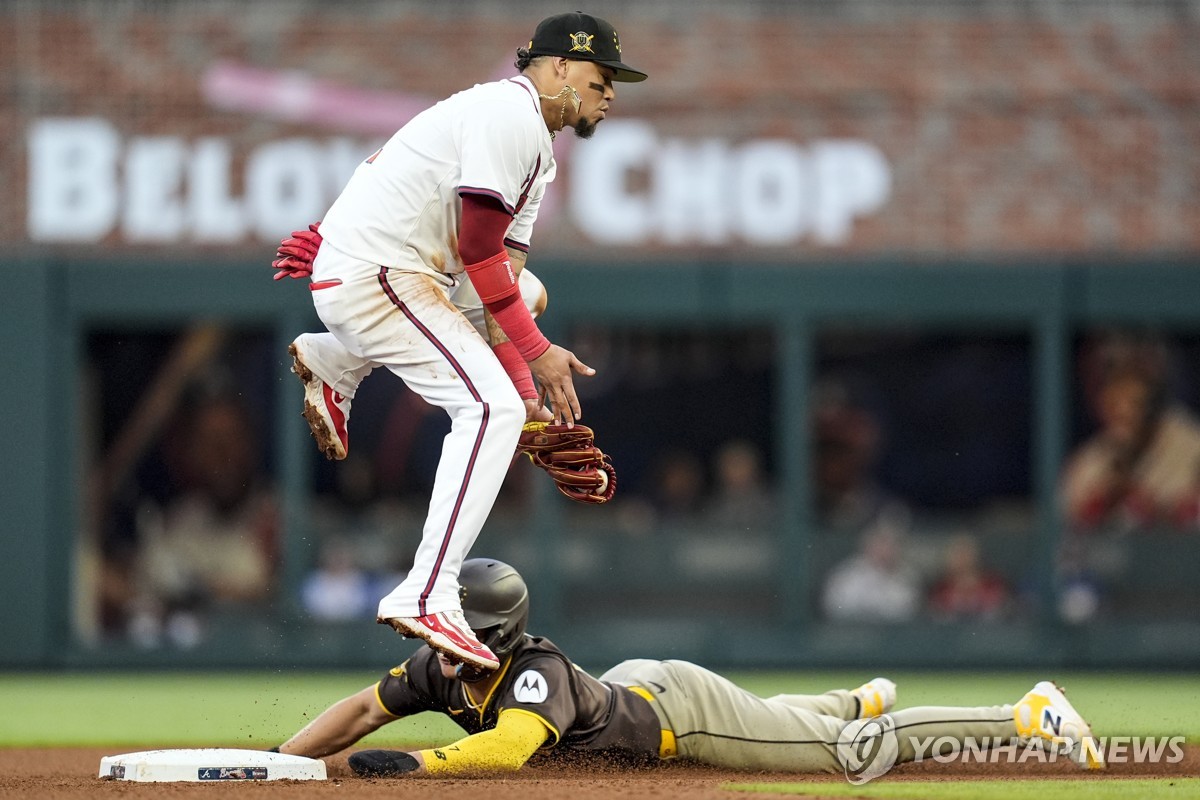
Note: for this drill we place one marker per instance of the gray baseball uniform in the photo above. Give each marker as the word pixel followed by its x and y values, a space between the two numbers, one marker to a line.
pixel 716 722
pixel 688 712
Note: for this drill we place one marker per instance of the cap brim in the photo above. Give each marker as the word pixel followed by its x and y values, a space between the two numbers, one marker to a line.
pixel 624 73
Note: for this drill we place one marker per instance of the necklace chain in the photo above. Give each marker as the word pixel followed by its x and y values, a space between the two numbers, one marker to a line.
pixel 565 94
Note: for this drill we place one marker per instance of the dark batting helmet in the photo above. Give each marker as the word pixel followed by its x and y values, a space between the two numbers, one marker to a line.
pixel 495 602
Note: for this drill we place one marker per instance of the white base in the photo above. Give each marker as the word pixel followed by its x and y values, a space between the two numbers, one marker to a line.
pixel 210 764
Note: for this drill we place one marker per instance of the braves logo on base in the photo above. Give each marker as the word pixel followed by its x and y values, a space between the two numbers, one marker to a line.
pixel 232 773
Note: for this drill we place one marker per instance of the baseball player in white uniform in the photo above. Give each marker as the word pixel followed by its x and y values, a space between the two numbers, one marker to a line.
pixel 436 221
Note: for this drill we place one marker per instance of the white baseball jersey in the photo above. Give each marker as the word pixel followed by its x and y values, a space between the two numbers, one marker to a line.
pixel 401 208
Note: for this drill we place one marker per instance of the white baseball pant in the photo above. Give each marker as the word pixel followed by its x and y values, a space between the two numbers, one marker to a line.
pixel 406 322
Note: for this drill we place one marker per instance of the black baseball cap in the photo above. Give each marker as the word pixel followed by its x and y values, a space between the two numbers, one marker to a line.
pixel 585 38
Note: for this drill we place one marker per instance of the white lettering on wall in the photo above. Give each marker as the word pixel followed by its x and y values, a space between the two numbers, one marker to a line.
pixel 154 209
pixel 689 181
pixel 85 183
pixel 853 179
pixel 215 214
pixel 628 186
pixel 773 182
pixel 283 186
pixel 636 188
pixel 625 215
pixel 73 192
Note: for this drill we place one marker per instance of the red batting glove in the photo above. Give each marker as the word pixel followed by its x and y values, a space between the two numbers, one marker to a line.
pixel 295 255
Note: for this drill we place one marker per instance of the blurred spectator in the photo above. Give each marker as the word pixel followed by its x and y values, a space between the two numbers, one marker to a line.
pixel 966 590
pixel 1080 589
pixel 1140 469
pixel 214 543
pixel 678 489
pixel 367 538
pixel 672 495
pixel 338 590
pixel 874 585
pixel 741 498
pixel 849 498
pixel 380 529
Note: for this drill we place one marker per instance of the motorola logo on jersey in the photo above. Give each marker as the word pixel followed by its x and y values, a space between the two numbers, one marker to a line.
pixel 530 687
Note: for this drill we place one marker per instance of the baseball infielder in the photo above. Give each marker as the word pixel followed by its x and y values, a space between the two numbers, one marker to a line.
pixel 641 711
pixel 438 220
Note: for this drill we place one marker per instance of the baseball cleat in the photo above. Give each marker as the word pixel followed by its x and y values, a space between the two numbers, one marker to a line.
pixel 875 697
pixel 448 633
pixel 326 410
pixel 1045 714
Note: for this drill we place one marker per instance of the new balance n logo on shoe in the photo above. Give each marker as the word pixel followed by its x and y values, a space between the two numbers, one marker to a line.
pixel 1051 721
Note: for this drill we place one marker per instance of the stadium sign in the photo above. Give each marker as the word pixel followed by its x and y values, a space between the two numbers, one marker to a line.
pixel 629 186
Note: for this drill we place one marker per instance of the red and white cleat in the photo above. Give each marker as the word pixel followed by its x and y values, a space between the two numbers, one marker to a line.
pixel 448 633
pixel 326 411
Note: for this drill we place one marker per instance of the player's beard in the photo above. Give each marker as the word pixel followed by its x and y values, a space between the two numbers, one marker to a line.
pixel 584 128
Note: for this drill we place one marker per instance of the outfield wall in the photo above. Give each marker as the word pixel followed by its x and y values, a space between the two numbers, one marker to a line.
pixel 600 591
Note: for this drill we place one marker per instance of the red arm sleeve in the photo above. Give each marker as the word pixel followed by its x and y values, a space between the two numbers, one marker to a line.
pixel 484 223
pixel 481 247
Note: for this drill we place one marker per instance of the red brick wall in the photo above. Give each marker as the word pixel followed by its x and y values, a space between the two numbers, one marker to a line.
pixel 1009 136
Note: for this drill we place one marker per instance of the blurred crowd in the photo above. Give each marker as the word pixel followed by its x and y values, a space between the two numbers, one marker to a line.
pixel 186 515
pixel 194 532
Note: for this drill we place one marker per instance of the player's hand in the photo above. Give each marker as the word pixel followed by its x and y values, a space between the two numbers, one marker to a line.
pixel 553 370
pixel 294 258
pixel 535 411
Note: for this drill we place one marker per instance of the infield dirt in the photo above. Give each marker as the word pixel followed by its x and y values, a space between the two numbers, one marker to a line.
pixel 70 774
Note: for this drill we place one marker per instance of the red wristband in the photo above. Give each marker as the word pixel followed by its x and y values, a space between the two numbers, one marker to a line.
pixel 517 323
pixel 517 369
pixel 496 284
pixel 494 278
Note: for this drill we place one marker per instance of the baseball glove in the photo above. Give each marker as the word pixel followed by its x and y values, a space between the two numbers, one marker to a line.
pixel 579 469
